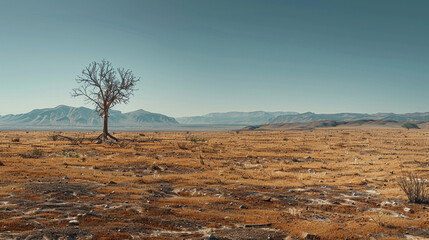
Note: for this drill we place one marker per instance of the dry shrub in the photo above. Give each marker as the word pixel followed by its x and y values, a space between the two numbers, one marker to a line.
pixel 414 187
pixel 35 154
pixel 183 146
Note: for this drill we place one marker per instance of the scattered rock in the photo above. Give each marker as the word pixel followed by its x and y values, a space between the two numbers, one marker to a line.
pixel 257 225
pixel 212 236
pixel 74 222
pixel 309 236
pixel 336 203
pixel 243 207
pixel 112 183
pixel 409 210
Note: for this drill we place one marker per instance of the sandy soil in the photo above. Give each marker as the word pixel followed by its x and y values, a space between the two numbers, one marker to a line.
pixel 315 184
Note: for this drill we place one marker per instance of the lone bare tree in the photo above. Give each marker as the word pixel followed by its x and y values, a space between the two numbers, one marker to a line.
pixel 101 85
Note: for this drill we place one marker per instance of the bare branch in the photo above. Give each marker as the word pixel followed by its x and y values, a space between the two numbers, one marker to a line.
pixel 100 86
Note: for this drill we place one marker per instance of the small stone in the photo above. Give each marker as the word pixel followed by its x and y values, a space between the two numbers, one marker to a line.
pixel 243 207
pixel 355 194
pixel 309 236
pixel 74 222
pixel 409 210
pixel 212 236
pixel 112 183
pixel 336 203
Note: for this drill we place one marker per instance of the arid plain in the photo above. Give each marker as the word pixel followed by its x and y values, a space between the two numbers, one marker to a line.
pixel 314 184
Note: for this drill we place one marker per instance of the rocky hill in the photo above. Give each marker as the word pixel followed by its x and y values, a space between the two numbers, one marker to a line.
pixel 311 117
pixel 335 124
pixel 243 118
pixel 81 117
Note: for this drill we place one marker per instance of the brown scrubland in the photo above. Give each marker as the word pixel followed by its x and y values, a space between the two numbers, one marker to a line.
pixel 310 184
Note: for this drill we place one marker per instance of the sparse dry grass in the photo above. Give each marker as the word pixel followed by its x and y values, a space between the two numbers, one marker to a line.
pixel 333 183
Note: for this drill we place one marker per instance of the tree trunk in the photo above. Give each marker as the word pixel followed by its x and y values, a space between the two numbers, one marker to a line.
pixel 105 129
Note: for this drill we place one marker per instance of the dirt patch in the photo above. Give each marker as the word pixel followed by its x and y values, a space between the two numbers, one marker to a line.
pixel 320 184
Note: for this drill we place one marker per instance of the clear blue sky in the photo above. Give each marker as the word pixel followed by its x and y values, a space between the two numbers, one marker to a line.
pixel 196 57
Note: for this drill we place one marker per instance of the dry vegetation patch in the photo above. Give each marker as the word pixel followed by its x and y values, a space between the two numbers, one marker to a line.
pixel 315 184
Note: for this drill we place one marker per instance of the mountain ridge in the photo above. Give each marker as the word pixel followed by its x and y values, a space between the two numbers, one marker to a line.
pixel 334 124
pixel 82 117
pixel 311 117
pixel 66 117
pixel 234 117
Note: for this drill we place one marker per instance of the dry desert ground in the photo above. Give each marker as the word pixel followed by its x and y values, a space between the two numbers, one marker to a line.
pixel 313 184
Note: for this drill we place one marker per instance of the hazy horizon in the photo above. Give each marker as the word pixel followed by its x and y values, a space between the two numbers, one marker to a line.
pixel 217 112
pixel 199 57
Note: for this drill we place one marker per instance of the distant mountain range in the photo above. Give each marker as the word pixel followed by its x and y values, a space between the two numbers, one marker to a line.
pixel 234 118
pixel 311 117
pixel 65 117
pixel 70 118
pixel 333 124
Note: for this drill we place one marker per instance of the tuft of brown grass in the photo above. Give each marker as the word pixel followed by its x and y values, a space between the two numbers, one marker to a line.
pixel 414 187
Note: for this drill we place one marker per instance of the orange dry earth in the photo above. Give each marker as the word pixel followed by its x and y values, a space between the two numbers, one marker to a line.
pixel 331 183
